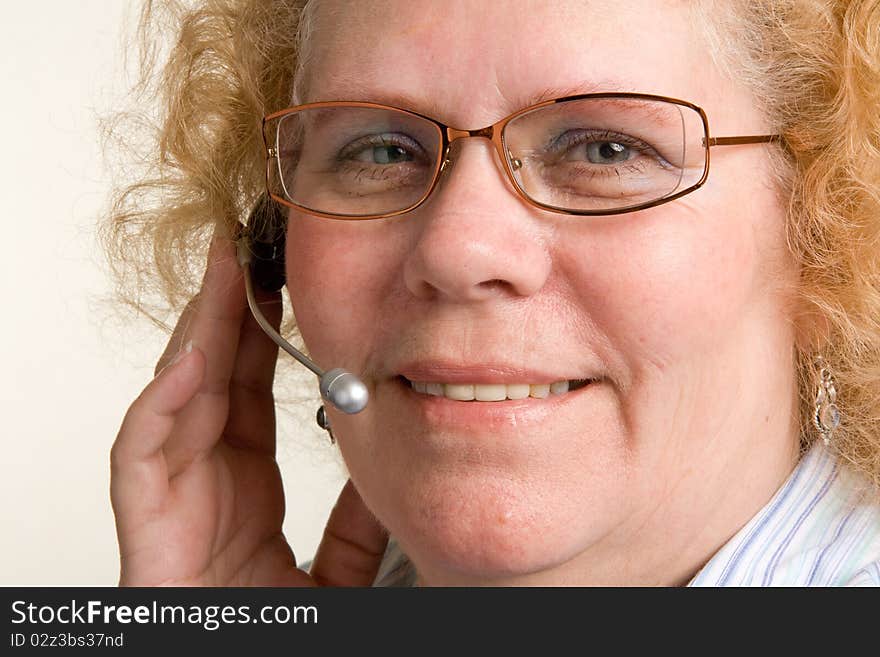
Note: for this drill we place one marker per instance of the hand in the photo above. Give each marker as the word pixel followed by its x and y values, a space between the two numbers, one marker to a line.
pixel 195 487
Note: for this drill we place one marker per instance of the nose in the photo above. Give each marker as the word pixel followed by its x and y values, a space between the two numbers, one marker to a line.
pixel 476 239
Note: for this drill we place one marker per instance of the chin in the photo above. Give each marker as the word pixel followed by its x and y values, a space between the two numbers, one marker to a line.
pixel 484 529
pixel 492 501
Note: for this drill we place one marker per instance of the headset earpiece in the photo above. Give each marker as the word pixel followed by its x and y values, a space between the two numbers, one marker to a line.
pixel 267 229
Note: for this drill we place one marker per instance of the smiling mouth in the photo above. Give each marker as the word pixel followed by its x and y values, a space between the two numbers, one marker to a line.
pixel 492 392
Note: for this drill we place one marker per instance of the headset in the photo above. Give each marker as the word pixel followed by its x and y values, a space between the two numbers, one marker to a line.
pixel 260 246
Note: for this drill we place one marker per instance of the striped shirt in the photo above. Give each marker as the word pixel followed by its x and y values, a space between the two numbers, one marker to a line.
pixel 821 528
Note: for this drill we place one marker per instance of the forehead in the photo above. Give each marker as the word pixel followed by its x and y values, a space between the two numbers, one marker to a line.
pixel 470 62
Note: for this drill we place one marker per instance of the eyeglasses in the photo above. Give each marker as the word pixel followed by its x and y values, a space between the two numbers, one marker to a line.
pixel 592 154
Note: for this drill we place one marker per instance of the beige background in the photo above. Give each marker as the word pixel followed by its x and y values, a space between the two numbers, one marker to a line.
pixel 71 364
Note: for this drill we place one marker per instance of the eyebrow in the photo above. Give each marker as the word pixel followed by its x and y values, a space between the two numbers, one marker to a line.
pixel 613 85
pixel 355 90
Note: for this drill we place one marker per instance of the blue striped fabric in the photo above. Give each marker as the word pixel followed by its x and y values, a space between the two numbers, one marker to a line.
pixel 821 528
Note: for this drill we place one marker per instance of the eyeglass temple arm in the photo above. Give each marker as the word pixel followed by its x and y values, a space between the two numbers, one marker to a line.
pixel 735 141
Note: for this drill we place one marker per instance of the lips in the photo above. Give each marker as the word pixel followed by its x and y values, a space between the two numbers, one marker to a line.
pixel 473 417
pixel 494 392
pixel 488 382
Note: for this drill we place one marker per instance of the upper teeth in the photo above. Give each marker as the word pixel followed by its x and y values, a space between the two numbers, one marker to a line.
pixel 490 391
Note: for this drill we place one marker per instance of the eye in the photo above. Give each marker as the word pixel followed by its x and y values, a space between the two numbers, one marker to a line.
pixel 390 154
pixel 383 149
pixel 600 152
pixel 600 147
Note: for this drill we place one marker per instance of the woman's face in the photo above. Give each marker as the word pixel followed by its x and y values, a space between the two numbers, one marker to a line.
pixel 677 313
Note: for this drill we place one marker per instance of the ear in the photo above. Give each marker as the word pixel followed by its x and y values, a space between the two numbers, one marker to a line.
pixel 267 229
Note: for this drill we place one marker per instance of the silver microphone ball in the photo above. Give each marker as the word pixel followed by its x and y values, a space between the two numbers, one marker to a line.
pixel 344 390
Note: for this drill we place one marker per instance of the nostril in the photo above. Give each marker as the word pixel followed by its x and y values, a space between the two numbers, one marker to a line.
pixel 496 284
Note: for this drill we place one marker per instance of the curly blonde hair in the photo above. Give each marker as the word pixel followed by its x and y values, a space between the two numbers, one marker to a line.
pixel 813 65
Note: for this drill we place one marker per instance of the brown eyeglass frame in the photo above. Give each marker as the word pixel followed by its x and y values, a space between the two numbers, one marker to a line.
pixel 495 134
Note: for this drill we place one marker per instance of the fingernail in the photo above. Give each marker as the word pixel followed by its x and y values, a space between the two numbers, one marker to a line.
pixel 180 355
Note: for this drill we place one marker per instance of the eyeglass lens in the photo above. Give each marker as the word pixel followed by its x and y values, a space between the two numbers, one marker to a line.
pixel 593 154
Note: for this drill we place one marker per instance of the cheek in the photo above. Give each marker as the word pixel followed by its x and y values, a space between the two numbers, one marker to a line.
pixel 339 276
pixel 670 282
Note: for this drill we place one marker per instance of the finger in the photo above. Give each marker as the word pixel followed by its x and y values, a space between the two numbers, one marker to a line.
pixel 353 544
pixel 214 324
pixel 214 316
pixel 251 421
pixel 176 341
pixel 138 472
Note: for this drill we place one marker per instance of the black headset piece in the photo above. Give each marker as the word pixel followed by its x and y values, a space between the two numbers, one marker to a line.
pixel 265 233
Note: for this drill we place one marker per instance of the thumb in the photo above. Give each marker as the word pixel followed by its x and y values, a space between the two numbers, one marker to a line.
pixel 353 544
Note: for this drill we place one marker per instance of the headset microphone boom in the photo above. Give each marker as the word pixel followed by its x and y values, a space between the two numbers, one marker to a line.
pixel 340 388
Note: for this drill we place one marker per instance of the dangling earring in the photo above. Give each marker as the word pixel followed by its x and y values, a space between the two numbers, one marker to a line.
pixel 826 416
pixel 324 422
